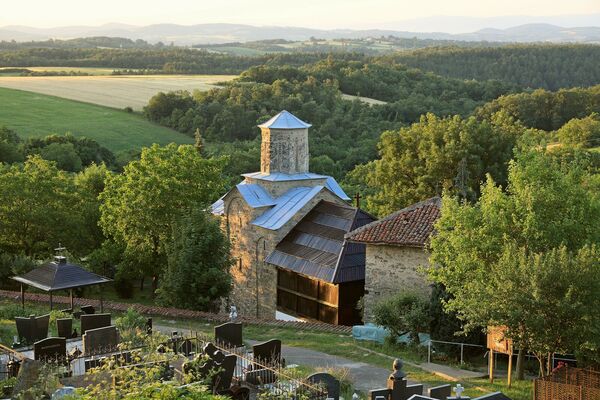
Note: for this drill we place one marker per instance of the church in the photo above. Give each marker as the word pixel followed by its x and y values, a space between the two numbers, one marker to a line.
pixel 286 226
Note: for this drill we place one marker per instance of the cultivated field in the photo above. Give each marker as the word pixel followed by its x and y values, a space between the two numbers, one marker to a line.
pixel 112 91
pixel 33 114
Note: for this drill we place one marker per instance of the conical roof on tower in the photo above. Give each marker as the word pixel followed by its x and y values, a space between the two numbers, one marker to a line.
pixel 285 120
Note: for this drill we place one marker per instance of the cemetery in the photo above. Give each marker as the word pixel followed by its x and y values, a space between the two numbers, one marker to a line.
pixel 223 362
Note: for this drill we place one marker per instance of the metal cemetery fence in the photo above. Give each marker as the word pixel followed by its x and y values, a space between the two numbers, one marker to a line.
pixel 266 374
pixel 10 361
pixel 568 383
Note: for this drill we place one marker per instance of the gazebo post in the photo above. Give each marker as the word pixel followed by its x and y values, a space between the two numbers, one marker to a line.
pixel 71 293
pixel 101 299
pixel 22 297
pixel 50 299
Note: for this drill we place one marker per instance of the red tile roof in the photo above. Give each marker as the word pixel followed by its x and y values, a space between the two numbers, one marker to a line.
pixel 410 226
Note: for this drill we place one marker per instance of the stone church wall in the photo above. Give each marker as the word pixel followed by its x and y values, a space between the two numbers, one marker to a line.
pixel 391 270
pixel 254 282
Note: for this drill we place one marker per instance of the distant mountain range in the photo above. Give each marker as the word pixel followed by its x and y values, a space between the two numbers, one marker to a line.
pixel 226 33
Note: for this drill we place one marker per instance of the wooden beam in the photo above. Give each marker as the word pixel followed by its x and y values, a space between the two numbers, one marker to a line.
pixel 299 294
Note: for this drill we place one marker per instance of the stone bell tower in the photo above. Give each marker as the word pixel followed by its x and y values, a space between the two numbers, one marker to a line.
pixel 284 147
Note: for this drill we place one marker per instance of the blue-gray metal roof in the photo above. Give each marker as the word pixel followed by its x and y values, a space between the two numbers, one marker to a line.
pixel 287 206
pixel 332 185
pixel 316 246
pixel 285 120
pixel 255 195
pixel 279 176
pixel 218 207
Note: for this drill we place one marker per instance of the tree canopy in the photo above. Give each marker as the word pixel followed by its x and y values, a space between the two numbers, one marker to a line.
pixel 527 257
pixel 140 205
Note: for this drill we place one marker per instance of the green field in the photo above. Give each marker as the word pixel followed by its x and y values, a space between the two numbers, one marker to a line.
pixel 32 114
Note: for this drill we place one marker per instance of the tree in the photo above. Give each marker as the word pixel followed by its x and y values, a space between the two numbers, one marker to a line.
pixel 199 142
pixel 90 183
pixel 583 132
pixel 9 146
pixel 197 274
pixel 424 159
pixel 526 257
pixel 401 314
pixel 40 206
pixel 139 206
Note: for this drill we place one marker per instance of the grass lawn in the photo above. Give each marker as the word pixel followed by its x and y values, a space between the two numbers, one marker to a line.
pixel 32 114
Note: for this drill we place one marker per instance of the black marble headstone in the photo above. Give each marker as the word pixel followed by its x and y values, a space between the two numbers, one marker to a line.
pixel 229 334
pixel 53 349
pixel 331 384
pixel 94 321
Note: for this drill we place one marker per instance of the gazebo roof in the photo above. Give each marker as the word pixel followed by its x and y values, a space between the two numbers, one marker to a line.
pixel 60 275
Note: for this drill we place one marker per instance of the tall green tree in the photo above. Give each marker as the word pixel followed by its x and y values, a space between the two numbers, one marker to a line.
pixel 139 206
pixel 40 206
pixel 424 159
pixel 197 274
pixel 527 257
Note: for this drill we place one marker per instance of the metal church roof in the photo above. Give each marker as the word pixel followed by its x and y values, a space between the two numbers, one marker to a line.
pixel 255 195
pixel 280 176
pixel 287 206
pixel 60 275
pixel 285 120
pixel 316 246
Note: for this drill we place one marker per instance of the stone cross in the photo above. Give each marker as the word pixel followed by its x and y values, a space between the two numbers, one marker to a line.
pixel 459 390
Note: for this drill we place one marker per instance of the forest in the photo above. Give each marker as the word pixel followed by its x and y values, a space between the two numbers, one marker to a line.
pixel 547 66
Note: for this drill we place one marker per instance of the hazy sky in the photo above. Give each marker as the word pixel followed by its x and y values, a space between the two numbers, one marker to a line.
pixel 308 13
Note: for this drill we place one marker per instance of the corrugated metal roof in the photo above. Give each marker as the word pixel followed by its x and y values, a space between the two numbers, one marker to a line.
pixel 285 120
pixel 332 185
pixel 316 247
pixel 280 176
pixel 218 207
pixel 255 195
pixel 287 206
pixel 58 276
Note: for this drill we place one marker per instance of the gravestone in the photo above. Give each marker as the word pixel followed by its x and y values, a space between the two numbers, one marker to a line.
pixel 31 329
pixel 267 353
pixel 331 384
pixel 50 349
pixel 378 394
pixel 229 334
pixel 493 396
pixel 88 309
pixel 441 392
pixel 64 326
pixel 100 340
pixel 94 321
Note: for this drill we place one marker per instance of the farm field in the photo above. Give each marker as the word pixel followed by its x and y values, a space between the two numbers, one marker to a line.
pixel 115 91
pixel 87 70
pixel 34 114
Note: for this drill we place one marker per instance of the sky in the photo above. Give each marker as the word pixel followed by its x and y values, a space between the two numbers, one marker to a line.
pixel 326 14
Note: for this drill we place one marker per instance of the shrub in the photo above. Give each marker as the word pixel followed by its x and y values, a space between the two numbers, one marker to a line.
pixel 131 326
pixel 403 313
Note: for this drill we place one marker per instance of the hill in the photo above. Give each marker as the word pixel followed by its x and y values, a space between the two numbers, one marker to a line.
pixel 32 114
pixel 223 33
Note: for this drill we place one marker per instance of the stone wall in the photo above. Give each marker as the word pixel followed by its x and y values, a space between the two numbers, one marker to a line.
pixel 391 270
pixel 254 282
pixel 284 150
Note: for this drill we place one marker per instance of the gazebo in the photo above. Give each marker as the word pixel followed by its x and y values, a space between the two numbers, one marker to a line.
pixel 59 275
